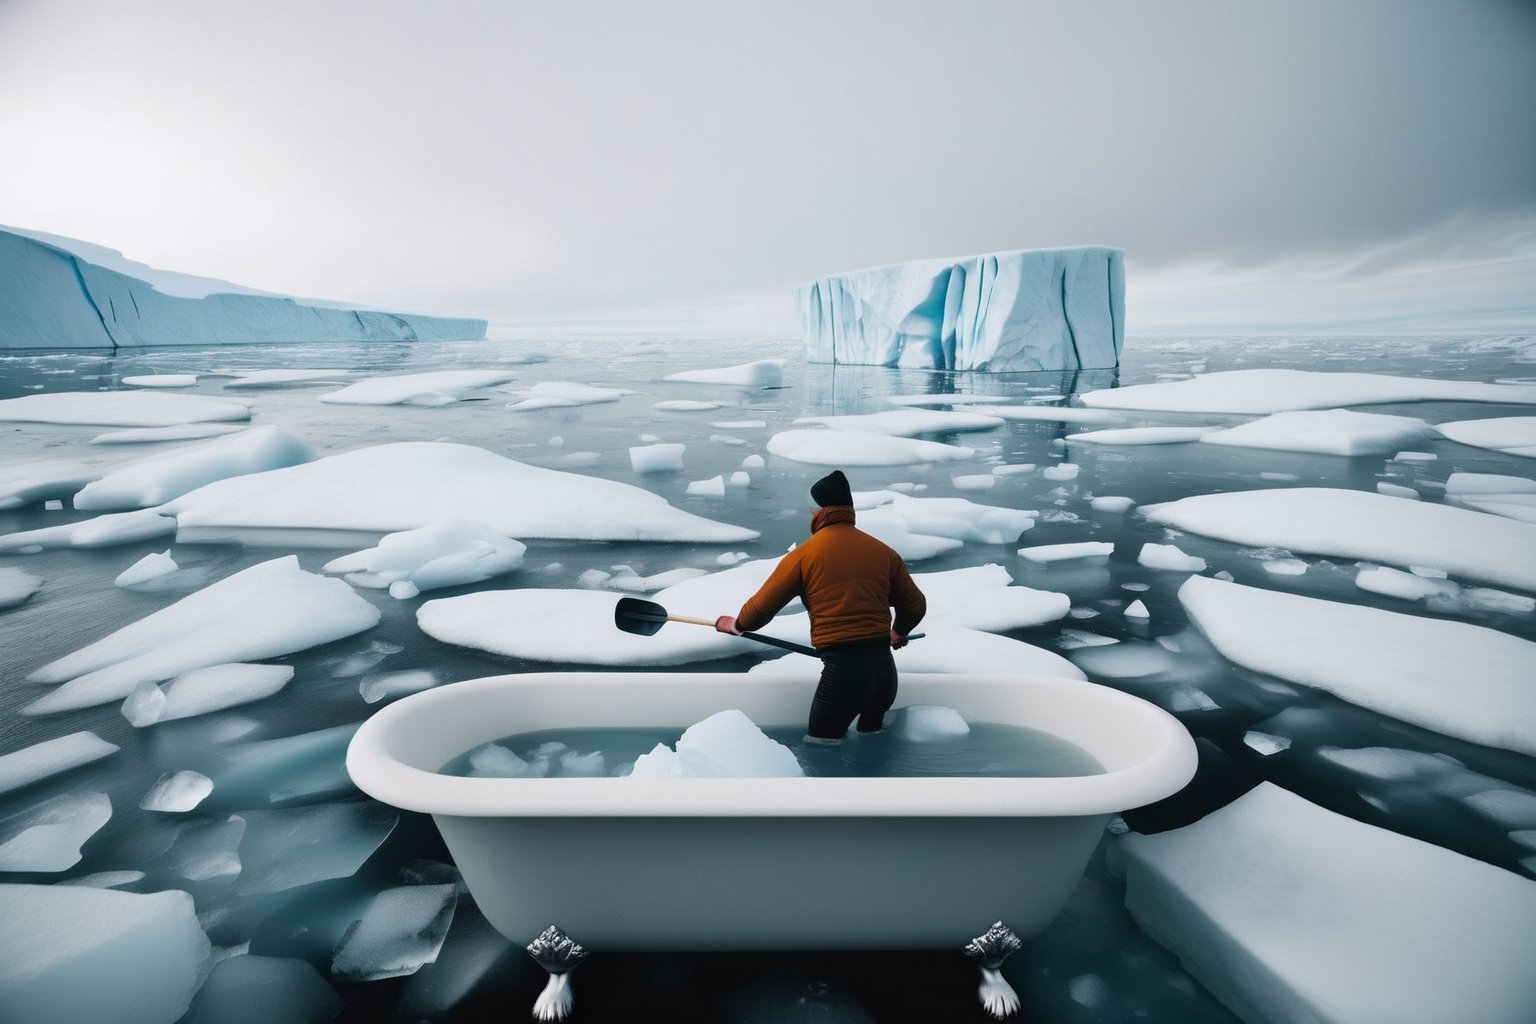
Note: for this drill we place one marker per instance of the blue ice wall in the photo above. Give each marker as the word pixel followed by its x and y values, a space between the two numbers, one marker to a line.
pixel 1030 309
pixel 59 296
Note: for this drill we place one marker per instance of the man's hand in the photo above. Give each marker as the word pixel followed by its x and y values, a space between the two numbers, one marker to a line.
pixel 898 640
pixel 727 624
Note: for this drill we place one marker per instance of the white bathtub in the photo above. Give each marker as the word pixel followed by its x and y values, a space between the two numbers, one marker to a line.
pixel 735 864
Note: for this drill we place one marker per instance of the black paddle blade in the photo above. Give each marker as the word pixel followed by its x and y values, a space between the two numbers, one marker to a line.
pixel 643 618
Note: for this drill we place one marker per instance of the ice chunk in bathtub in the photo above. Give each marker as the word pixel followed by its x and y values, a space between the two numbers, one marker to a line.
pixel 86 955
pixel 928 723
pixel 493 761
pixel 725 745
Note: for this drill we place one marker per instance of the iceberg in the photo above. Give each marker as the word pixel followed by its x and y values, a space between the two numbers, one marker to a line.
pixel 95 956
pixel 65 293
pixel 1028 309
pixel 1289 912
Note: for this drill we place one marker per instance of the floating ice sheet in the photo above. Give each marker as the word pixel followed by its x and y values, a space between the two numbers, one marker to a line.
pixel 1451 677
pixel 103 531
pixel 279 377
pixel 556 394
pixel 179 432
pixel 161 380
pixel 446 553
pixel 1169 557
pixel 268 610
pixel 1044 554
pixel 1276 390
pixel 202 691
pixel 159 478
pixel 908 422
pixel 405 486
pixel 1513 435
pixel 95 956
pixel 1141 435
pixel 438 387
pixel 48 836
pixel 120 409
pixel 1510 496
pixel 177 792
pixel 51 757
pixel 1287 912
pixel 310 766
pixel 1327 432
pixel 860 448
pixel 39 480
pixel 982 597
pixel 1357 524
pixel 761 373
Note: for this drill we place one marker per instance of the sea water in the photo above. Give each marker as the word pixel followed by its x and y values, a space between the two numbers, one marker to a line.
pixel 989 749
pixel 286 753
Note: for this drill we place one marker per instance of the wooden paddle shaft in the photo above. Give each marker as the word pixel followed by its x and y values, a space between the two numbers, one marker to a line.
pixel 690 619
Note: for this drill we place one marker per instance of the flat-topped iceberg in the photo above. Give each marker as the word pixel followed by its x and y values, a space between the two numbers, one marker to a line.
pixel 65 293
pixel 1028 309
pixel 1290 912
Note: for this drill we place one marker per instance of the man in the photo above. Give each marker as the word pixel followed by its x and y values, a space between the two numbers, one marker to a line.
pixel 848 582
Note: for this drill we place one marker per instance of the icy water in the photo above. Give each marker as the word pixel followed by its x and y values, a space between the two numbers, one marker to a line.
pixel 312 852
pixel 988 750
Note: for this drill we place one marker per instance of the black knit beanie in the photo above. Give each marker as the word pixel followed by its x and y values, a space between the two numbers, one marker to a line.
pixel 832 489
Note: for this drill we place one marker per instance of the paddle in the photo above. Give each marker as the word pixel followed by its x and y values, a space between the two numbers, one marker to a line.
pixel 645 618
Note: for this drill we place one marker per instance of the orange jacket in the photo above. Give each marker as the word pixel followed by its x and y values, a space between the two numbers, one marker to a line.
pixel 848 581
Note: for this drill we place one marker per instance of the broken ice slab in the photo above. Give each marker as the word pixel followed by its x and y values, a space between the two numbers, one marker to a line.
pixel 289 848
pixel 1287 911
pixel 203 691
pixel 176 792
pixel 51 757
pixel 208 850
pixel 473 955
pixel 311 766
pixel 402 929
pixel 48 836
pixel 96 956
pixel 248 989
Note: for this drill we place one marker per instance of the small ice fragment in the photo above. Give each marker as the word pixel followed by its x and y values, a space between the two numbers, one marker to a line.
pixel 1137 610
pixel 657 458
pixel 48 836
pixel 594 578
pixel 1284 566
pixel 1390 764
pixel 402 929
pixel 724 745
pixel 207 850
pixel 973 482
pixel 1045 553
pixel 151 566
pixel 1169 557
pixel 1071 639
pixel 714 487
pixel 1013 469
pixel 686 405
pixel 1061 471
pixel 403 590
pixel 375 688
pixel 1136 588
pixel 1414 457
pixel 740 478
pixel 1090 990
pixel 1429 572
pixel 1112 503
pixel 731 558
pixel 177 792
pixel 1224 576
pixel 572 763
pixel 557 441
pixel 1510 807
pixel 51 757
pixel 53 505
pixel 753 462
pixel 161 380
pixel 445 553
pixel 1265 743
pixel 494 761
pixel 929 723
pixel 1392 490
pixel 1083 613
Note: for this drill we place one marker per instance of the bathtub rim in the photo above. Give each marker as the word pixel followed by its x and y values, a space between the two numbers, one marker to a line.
pixel 375 770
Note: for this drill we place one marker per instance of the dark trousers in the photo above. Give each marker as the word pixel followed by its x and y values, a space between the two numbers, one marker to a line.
pixel 857 680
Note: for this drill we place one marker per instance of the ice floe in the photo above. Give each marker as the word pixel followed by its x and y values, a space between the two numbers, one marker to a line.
pixel 161 380
pixel 16 585
pixel 95 956
pixel 160 478
pixel 686 405
pixel 1141 435
pixel 1279 390
pixel 100 532
pixel 761 373
pixel 1051 414
pixel 557 394
pixel 1512 435
pixel 982 597
pixel 446 553
pixel 1450 677
pixel 1326 432
pixel 281 377
pixel 404 486
pixel 666 457
pixel 268 610
pixel 178 432
pixel 949 650
pixel 725 745
pixel 437 387
pixel 1361 525
pixel 48 836
pixel 151 567
pixel 959 398
pixel 120 409
pixel 402 930
pixel 51 757
pixel 1044 554
pixel 1510 496
pixel 209 849
pixel 958 519
pixel 908 422
pixel 1169 557
pixel 204 690
pixel 31 482
pixel 307 767
pixel 1440 595
pixel 1287 911
pixel 177 792
pixel 860 448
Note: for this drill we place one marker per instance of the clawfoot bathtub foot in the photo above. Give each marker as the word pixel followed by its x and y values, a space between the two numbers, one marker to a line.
pixel 558 954
pixel 990 950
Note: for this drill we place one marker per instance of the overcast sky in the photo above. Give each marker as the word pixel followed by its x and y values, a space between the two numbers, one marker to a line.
pixel 1260 162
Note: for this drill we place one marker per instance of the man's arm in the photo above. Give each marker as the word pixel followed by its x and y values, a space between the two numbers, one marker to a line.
pixel 782 586
pixel 909 602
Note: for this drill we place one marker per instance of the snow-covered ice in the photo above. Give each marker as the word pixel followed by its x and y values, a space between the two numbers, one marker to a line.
pixel 761 373
pixel 1512 435
pixel 666 457
pixel 1044 554
pixel 1510 496
pixel 1451 677
pixel 209 848
pixel 907 422
pixel 955 518
pixel 16 585
pixel 447 553
pixel 38 480
pixel 47 837
pixel 160 478
pixel 120 409
pixel 402 930
pixel 1051 414
pixel 1283 390
pixel 161 380
pixel 100 532
pixel 437 387
pixel 714 487
pixel 1138 609
pixel 141 954
pixel 1142 435
pixel 271 609
pixel 404 486
pixel 280 377
pixel 854 448
pixel 1169 557
pixel 1327 432
pixel 1361 525
pixel 725 745
pixel 1289 912
pixel 1112 503
pixel 559 394
pixel 982 597
pixel 928 723
pixel 202 691
pixel 177 792
pixel 51 757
